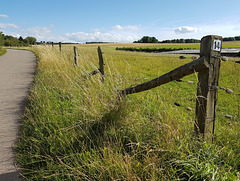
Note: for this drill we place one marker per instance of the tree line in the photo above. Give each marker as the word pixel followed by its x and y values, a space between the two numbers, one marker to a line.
pixel 148 39
pixel 7 40
pixel 236 38
pixel 181 41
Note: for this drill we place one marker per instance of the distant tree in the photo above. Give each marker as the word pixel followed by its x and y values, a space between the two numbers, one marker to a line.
pixel 7 40
pixel 166 41
pixel 11 41
pixel 154 40
pixel 30 40
pixel 237 38
pixel 182 40
pixel 20 38
pixel 147 39
pixel 1 39
pixel 22 42
pixel 228 39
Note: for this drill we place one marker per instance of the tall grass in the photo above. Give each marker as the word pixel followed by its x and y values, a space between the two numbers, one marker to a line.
pixel 2 51
pixel 75 128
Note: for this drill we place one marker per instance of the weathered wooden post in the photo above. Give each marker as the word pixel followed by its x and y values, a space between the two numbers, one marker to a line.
pixel 75 55
pixel 60 46
pixel 207 87
pixel 52 43
pixel 101 64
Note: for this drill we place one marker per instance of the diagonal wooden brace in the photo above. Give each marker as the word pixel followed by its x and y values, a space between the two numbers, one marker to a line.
pixel 178 73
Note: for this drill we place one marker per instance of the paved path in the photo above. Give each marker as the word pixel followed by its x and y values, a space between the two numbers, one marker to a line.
pixel 17 69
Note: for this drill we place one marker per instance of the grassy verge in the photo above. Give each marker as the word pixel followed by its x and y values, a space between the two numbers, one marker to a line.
pixel 2 51
pixel 75 129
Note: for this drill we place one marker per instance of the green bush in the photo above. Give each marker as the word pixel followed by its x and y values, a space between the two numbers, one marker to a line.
pixel 7 40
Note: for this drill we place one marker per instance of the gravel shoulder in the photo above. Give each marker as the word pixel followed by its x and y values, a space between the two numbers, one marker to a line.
pixel 17 68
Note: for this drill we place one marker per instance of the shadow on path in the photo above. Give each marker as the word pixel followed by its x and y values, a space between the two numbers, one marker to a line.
pixel 11 176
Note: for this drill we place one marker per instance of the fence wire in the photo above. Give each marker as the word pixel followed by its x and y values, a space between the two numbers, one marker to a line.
pixel 227 90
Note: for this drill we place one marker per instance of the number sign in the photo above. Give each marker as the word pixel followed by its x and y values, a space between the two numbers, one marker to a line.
pixel 217 45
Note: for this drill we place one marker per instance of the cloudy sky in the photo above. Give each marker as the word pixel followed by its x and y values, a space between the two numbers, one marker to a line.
pixel 118 20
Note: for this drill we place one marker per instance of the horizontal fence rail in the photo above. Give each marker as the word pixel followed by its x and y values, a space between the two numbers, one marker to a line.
pixel 178 73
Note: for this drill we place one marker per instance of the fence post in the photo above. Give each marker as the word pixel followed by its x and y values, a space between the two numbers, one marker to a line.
pixel 206 100
pixel 75 55
pixel 60 46
pixel 101 64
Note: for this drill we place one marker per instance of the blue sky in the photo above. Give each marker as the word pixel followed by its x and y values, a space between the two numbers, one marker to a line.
pixel 118 21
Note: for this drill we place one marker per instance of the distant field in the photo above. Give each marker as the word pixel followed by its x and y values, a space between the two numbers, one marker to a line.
pixel 75 129
pixel 232 44
pixel 160 47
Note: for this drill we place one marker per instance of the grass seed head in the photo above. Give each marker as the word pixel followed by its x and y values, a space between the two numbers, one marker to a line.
pixel 194 57
pixel 228 116
pixel 190 82
pixel 189 109
pixel 224 58
pixel 229 91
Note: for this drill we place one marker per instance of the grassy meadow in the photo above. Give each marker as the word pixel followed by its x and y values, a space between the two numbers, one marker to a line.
pixel 75 128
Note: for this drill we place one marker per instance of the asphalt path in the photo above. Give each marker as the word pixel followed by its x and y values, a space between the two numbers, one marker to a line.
pixel 17 68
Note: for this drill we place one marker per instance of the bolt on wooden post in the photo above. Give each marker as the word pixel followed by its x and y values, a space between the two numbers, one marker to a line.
pixel 207 82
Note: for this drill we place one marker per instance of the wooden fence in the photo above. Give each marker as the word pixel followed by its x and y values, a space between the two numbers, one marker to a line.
pixel 208 67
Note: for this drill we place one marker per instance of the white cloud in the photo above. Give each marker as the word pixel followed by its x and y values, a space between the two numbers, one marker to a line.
pixel 100 37
pixel 185 29
pixel 125 28
pixel 46 33
pixel 8 25
pixel 43 34
pixel 38 32
pixel 122 34
pixel 3 16
pixel 118 27
pixel 226 30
